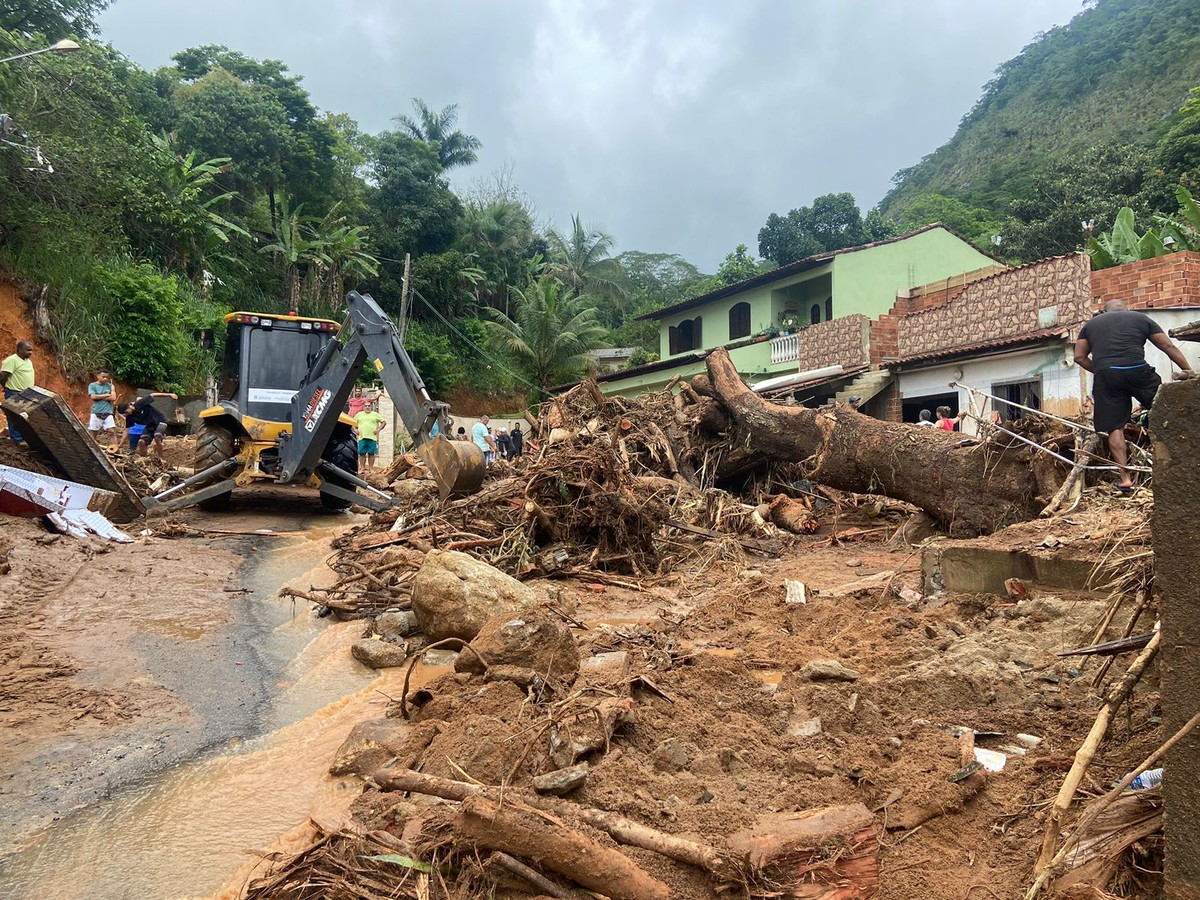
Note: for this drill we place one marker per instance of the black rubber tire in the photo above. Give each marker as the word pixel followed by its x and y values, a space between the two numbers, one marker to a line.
pixel 214 444
pixel 342 451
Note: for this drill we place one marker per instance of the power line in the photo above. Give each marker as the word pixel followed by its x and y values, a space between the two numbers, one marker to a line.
pixel 471 343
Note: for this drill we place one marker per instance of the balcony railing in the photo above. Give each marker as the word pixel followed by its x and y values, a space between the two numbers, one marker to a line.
pixel 785 348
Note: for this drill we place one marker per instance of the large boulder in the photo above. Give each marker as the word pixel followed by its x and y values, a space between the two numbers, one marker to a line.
pixel 454 595
pixel 531 640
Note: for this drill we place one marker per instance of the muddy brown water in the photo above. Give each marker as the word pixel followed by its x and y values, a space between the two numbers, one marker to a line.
pixel 183 831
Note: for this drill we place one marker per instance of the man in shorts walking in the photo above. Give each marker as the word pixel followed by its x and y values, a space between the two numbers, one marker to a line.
pixel 103 396
pixel 1112 346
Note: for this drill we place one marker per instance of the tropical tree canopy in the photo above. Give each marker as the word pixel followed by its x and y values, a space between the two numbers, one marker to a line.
pixel 454 148
pixel 549 334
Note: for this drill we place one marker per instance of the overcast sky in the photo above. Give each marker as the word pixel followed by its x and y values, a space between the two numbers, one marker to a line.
pixel 675 126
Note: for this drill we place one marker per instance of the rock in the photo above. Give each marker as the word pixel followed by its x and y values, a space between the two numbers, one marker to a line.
pixel 379 654
pixel 369 746
pixel 806 728
pixel 440 658
pixel 610 670
pixel 396 624
pixel 854 563
pixel 454 595
pixel 828 670
pixel 531 640
pixel 561 781
pixel 670 756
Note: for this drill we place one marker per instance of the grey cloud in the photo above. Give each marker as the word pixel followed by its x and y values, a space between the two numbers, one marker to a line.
pixel 676 126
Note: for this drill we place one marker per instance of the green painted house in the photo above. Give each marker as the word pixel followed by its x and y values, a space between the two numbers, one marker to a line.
pixel 826 301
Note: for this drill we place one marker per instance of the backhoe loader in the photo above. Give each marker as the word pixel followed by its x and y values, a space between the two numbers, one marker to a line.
pixel 284 383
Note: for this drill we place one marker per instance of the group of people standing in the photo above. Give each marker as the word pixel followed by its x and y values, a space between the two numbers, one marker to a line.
pixel 145 426
pixel 504 443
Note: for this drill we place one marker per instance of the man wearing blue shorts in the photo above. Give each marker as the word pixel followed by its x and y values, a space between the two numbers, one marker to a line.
pixel 370 425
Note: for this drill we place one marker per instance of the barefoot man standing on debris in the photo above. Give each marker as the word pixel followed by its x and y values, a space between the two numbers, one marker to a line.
pixel 1112 346
pixel 16 375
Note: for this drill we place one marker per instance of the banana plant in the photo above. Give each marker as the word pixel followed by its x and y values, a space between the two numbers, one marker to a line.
pixel 1123 244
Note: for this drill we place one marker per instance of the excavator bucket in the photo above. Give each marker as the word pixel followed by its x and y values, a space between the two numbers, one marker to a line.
pixel 458 467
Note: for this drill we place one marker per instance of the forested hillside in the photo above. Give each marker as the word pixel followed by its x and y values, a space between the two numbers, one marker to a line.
pixel 1072 124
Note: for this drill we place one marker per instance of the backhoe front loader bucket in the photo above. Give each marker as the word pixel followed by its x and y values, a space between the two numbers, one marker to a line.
pixel 458 467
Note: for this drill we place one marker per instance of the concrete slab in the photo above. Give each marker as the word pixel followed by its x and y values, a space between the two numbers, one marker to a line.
pixel 972 567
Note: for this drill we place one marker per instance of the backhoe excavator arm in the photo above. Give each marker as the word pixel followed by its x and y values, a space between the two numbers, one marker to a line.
pixel 326 388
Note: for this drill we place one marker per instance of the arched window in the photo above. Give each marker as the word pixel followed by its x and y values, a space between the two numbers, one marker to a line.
pixel 828 309
pixel 685 336
pixel 814 314
pixel 739 320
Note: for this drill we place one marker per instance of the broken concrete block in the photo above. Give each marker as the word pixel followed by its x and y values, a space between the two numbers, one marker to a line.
pixel 561 781
pixel 454 595
pixel 796 593
pixel 531 640
pixel 369 746
pixel 379 654
pixel 828 670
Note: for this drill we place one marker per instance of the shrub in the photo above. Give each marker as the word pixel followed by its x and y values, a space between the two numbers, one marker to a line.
pixel 146 345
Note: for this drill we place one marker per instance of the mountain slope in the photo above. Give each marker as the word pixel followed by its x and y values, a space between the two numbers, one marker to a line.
pixel 1118 70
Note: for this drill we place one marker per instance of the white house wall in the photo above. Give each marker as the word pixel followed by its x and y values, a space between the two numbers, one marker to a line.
pixel 1062 387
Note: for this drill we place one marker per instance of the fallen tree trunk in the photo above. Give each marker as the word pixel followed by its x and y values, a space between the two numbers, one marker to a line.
pixel 624 831
pixel 517 829
pixel 968 490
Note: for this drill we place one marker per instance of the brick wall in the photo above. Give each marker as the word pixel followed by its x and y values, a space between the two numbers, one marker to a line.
pixel 1172 280
pixel 1011 303
pixel 837 342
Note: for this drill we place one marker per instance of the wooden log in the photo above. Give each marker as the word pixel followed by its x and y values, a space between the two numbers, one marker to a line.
pixel 622 830
pixel 1083 757
pixel 792 515
pixel 968 490
pixel 522 831
pixel 830 853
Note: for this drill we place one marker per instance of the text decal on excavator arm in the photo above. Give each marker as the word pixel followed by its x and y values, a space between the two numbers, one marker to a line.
pixel 316 406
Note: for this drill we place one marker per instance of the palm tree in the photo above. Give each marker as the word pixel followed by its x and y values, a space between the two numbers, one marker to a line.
pixel 582 259
pixel 454 148
pixel 549 333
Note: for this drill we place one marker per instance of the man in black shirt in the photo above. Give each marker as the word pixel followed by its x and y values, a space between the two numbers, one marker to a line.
pixel 145 425
pixel 1112 346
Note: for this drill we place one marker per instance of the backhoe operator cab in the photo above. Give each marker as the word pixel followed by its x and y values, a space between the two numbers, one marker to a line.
pixel 266 358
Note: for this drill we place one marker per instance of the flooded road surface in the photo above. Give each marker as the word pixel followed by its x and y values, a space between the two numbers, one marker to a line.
pixel 256 695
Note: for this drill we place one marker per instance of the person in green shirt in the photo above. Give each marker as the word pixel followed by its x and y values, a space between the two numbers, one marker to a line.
pixel 370 425
pixel 16 375
pixel 103 394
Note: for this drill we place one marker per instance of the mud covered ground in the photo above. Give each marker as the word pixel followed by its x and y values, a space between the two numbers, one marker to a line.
pixel 118 660
pixel 734 729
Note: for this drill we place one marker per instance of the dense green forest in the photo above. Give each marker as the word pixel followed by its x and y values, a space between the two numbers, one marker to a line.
pixel 1084 121
pixel 150 203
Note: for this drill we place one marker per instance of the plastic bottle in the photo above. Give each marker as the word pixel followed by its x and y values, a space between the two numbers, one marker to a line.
pixel 1151 778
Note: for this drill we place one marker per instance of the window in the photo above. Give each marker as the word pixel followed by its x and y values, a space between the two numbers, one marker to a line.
pixel 739 320
pixel 684 337
pixel 828 309
pixel 1027 393
pixel 814 314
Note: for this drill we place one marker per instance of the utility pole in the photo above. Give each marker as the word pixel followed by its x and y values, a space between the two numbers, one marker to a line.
pixel 405 298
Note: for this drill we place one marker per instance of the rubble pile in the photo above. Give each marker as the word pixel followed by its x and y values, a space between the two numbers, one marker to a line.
pixel 615 681
pixel 606 493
